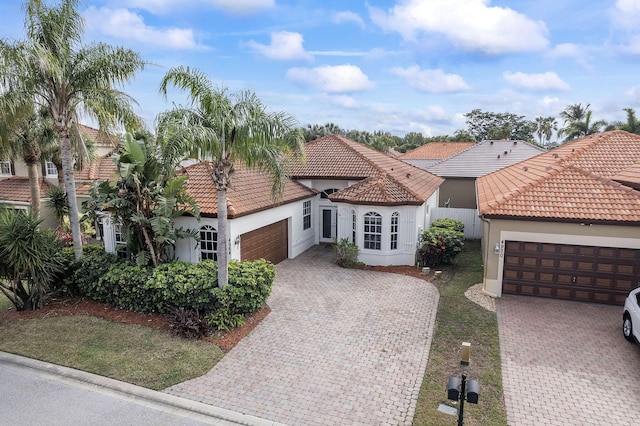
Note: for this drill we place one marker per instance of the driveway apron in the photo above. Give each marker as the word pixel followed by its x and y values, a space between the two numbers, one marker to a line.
pixel 566 363
pixel 340 346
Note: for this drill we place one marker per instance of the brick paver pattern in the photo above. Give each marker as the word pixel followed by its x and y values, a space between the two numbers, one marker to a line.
pixel 340 347
pixel 566 363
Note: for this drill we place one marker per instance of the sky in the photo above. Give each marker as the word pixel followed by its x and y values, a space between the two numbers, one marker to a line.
pixel 396 66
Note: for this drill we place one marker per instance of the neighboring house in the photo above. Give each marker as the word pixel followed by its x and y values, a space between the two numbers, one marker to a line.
pixel 566 223
pixel 14 181
pixel 433 152
pixel 343 190
pixel 461 170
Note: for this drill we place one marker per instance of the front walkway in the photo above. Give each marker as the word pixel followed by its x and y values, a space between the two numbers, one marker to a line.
pixel 566 363
pixel 341 346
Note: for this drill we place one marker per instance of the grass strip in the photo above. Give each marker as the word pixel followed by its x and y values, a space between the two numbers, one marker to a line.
pixel 135 354
pixel 460 320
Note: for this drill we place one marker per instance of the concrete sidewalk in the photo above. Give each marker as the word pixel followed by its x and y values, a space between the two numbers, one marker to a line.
pixel 38 393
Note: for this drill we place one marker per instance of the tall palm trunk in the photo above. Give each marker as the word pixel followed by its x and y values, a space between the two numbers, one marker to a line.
pixel 34 187
pixel 223 251
pixel 70 188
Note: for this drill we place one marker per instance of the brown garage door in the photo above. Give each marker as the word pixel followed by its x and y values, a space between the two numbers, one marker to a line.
pixel 585 273
pixel 268 242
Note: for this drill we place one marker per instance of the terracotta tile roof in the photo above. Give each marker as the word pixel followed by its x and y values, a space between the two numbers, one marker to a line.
pixel 16 188
pixel 100 138
pixel 576 181
pixel 387 180
pixel 250 190
pixel 630 176
pixel 436 150
pixel 98 170
pixel 483 158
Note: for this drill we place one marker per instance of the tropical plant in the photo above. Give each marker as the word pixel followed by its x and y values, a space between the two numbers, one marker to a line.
pixel 632 125
pixel 144 196
pixel 346 253
pixel 51 67
pixel 25 132
pixel 545 128
pixel 227 129
pixel 577 122
pixel 30 258
pixel 57 202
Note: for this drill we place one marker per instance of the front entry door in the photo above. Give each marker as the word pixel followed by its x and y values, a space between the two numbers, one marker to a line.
pixel 329 224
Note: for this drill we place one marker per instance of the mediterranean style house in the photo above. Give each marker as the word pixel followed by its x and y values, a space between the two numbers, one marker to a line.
pixel 344 190
pixel 565 223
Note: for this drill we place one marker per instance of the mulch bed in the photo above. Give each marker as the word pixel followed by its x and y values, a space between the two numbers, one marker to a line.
pixel 61 306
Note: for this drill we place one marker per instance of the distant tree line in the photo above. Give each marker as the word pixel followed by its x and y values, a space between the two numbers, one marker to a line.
pixel 577 122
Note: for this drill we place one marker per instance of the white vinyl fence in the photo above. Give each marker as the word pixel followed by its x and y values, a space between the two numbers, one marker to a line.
pixel 472 223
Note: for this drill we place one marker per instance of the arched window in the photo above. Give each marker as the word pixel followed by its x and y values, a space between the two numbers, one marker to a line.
pixel 327 192
pixel 394 230
pixel 372 231
pixel 208 243
pixel 354 226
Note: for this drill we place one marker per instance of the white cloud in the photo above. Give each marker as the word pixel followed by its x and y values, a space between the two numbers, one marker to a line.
pixel 126 25
pixel 468 24
pixel 571 51
pixel 346 17
pixel 244 7
pixel 536 82
pixel 432 81
pixel 344 101
pixel 626 13
pixel 284 46
pixel 333 79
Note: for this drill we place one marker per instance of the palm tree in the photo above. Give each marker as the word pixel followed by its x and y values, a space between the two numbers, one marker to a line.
pixel 52 67
pixel 545 128
pixel 577 122
pixel 226 130
pixel 25 134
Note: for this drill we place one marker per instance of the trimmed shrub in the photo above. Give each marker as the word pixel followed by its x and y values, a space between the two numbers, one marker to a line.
pixel 440 246
pixel 346 253
pixel 448 223
pixel 182 284
pixel 250 285
pixel 123 286
pixel 85 273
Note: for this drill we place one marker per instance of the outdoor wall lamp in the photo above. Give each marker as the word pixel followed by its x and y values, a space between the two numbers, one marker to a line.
pixel 237 240
pixel 496 248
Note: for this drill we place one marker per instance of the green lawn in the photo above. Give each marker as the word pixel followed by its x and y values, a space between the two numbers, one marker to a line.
pixel 4 303
pixel 134 354
pixel 459 320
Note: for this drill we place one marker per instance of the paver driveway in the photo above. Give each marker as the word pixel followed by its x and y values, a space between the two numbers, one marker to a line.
pixel 340 346
pixel 566 363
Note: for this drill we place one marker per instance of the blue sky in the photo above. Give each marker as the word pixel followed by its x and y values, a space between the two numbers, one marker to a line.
pixel 397 66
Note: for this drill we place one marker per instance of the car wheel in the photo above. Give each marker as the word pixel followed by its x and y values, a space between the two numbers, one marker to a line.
pixel 627 328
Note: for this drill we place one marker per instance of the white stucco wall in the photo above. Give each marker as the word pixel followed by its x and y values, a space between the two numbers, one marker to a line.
pixel 299 240
pixel 412 221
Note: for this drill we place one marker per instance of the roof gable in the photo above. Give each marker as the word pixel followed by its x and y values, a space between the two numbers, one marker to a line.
pixel 396 182
pixel 576 181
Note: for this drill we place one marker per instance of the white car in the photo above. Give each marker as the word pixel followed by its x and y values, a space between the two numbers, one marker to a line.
pixel 631 316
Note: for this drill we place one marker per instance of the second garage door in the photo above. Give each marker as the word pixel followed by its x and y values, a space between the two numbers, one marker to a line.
pixel 585 273
pixel 268 242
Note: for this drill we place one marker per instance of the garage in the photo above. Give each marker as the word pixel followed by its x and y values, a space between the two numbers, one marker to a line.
pixel 269 242
pixel 572 272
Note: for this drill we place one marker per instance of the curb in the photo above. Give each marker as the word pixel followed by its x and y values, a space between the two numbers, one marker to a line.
pixel 220 415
